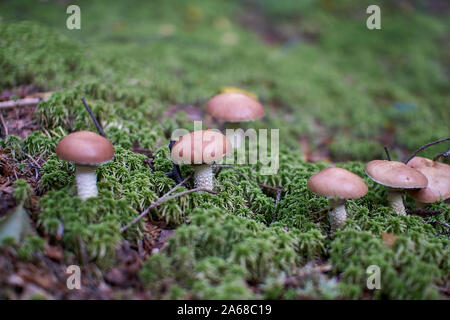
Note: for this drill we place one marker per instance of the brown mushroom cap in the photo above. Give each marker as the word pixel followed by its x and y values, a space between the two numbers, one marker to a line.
pixel 395 174
pixel 202 146
pixel 438 175
pixel 337 183
pixel 234 107
pixel 85 148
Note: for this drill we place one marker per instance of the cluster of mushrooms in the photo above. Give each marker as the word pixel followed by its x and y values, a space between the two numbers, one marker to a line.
pixel 425 180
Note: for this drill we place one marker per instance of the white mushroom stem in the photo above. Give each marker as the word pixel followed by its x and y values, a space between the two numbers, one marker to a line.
pixel 86 181
pixel 396 201
pixel 338 215
pixel 203 176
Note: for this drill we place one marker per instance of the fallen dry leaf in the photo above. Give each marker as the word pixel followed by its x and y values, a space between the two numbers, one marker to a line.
pixel 388 238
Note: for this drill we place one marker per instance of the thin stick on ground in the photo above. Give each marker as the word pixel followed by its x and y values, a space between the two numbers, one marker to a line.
pixel 178 185
pixel 5 127
pixel 97 124
pixel 277 199
pixel 320 211
pixel 426 146
pixel 422 212
pixel 160 201
pixel 442 155
pixel 176 172
pixel 32 160
pixel 387 153
pixel 443 224
pixel 320 218
pixel 19 103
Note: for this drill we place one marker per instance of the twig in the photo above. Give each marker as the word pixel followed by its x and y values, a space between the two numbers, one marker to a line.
pixel 178 185
pixel 277 199
pixel 320 218
pixel 161 201
pixel 4 125
pixel 40 157
pixel 6 184
pixel 147 152
pixel 34 161
pixel 443 154
pixel 320 211
pixel 277 189
pixel 97 124
pixel 426 146
pixel 387 153
pixel 443 224
pixel 19 103
pixel 422 212
pixel 176 172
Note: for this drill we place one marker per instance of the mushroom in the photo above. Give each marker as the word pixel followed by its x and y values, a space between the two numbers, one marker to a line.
pixel 397 177
pixel 438 175
pixel 87 150
pixel 337 185
pixel 201 149
pixel 233 108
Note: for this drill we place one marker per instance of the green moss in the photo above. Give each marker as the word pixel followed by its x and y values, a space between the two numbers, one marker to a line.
pixel 32 245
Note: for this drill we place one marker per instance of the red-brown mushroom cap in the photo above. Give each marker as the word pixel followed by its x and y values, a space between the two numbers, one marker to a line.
pixel 234 107
pixel 202 146
pixel 395 174
pixel 85 148
pixel 438 175
pixel 337 183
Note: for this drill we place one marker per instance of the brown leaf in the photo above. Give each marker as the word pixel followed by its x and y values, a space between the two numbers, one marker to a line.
pixel 388 238
pixel 54 253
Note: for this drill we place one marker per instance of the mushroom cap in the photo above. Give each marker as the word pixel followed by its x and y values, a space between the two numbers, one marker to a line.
pixel 438 175
pixel 337 183
pixel 85 148
pixel 234 107
pixel 395 174
pixel 201 147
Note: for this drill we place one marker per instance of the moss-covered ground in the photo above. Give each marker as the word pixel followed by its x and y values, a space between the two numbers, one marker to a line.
pixel 337 91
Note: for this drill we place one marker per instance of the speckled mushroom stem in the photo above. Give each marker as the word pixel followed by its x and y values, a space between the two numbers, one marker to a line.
pixel 396 201
pixel 338 215
pixel 238 138
pixel 203 176
pixel 86 179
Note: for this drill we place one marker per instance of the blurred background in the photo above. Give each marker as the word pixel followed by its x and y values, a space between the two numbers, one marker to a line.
pixel 336 90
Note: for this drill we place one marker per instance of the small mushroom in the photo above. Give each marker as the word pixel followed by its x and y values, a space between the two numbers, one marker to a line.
pixel 397 177
pixel 337 185
pixel 438 175
pixel 87 150
pixel 233 108
pixel 201 149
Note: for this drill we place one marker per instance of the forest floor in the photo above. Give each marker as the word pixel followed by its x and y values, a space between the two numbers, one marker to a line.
pixel 338 93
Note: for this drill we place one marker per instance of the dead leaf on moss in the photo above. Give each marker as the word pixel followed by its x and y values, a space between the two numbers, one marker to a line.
pixel 388 238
